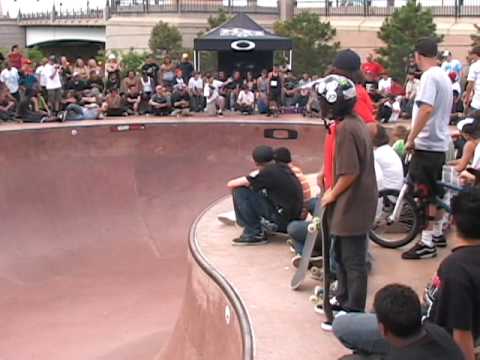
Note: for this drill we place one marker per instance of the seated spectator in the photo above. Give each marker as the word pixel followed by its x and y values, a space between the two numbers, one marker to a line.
pixel 384 85
pixel 159 102
pixel 7 104
pixel 81 69
pixel 246 101
pixel 71 97
pixel 399 138
pixel 273 193
pixel 114 104
pixel 215 103
pixel 195 89
pixel 389 109
pixel 148 85
pixel 75 112
pixel 451 301
pixel 178 80
pixel 388 160
pixel 28 111
pixel 469 129
pixel 77 83
pixel 95 81
pixel 132 100
pixel 180 99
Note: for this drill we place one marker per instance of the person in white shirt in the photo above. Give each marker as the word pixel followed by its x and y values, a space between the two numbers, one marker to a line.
pixel 411 89
pixel 450 65
pixel 195 89
pixel 246 101
pixel 53 84
pixel 9 76
pixel 39 73
pixel 388 160
pixel 472 93
pixel 215 102
pixel 385 85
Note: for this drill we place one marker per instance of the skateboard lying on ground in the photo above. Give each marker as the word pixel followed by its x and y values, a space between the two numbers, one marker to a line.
pixel 314 231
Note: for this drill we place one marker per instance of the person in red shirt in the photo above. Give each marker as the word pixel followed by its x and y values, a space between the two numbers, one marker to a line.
pixel 15 58
pixel 372 69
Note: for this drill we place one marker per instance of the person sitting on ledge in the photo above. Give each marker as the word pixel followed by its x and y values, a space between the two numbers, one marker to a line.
pixel 246 101
pixel 160 102
pixel 267 199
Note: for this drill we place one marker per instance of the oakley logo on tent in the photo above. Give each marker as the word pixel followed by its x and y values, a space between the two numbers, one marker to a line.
pixel 239 32
pixel 243 45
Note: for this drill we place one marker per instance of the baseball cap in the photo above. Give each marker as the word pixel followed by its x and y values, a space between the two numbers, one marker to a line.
pixel 282 154
pixel 262 154
pixel 427 47
pixel 347 60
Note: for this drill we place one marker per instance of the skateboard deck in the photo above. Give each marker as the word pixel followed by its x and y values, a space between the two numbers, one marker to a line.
pixel 327 307
pixel 314 230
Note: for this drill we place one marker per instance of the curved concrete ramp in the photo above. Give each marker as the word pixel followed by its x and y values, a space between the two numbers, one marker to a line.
pixel 94 239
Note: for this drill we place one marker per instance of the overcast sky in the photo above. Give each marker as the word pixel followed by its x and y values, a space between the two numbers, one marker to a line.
pixel 27 6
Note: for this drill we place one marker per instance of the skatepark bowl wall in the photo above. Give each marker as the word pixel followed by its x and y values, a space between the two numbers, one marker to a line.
pixel 97 260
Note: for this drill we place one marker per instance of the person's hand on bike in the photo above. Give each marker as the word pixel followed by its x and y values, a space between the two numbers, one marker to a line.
pixel 410 145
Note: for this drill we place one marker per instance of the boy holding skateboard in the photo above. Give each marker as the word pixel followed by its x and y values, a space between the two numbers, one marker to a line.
pixel 352 198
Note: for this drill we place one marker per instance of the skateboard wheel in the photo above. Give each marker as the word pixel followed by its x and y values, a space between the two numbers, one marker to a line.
pixel 314 299
pixel 311 228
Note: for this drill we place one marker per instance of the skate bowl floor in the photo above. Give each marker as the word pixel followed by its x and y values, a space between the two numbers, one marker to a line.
pixel 97 260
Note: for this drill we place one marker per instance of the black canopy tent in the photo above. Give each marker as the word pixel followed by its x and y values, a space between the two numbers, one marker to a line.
pixel 242 45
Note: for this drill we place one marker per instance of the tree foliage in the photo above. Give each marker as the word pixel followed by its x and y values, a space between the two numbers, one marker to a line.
pixel 400 32
pixel 165 38
pixel 133 61
pixel 314 47
pixel 35 54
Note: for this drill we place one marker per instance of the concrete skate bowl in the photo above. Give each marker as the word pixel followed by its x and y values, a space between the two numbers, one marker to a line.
pixel 97 258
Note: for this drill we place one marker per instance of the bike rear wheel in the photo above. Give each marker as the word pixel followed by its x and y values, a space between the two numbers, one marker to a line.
pixel 398 233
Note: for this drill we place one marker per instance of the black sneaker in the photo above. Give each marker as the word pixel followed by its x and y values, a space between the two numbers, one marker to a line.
pixel 420 251
pixel 439 241
pixel 243 240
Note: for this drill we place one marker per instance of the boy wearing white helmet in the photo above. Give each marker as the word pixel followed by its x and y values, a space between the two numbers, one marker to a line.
pixel 352 199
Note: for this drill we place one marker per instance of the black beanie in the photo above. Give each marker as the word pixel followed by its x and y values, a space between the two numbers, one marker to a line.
pixel 282 154
pixel 262 154
pixel 347 60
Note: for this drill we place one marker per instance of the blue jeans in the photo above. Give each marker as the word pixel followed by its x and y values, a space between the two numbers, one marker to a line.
pixel 360 333
pixel 250 207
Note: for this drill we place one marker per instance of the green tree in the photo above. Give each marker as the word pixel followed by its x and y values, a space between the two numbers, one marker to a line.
pixel 400 32
pixel 165 38
pixel 35 54
pixel 133 61
pixel 314 47
pixel 208 59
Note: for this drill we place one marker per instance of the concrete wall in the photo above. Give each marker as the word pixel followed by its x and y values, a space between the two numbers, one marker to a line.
pixel 11 33
pixel 127 32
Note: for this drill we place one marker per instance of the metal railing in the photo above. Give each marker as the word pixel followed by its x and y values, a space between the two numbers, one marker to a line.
pixel 63 15
pixel 202 6
pixel 445 8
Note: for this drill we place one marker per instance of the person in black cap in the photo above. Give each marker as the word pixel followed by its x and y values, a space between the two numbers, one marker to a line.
pixel 265 200
pixel 429 140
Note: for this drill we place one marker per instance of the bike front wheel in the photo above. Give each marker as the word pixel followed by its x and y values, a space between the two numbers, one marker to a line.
pixel 394 234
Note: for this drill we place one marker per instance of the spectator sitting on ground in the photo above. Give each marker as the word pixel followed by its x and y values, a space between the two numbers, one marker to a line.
pixel 215 103
pixel 195 88
pixel 388 160
pixel 160 102
pixel 27 110
pixel 71 97
pixel 180 99
pixel 385 85
pixel 389 109
pixel 130 81
pixel 7 104
pixel 133 100
pixel 469 129
pixel 451 300
pixel 265 200
pixel 114 104
pixel 246 101
pixel 399 138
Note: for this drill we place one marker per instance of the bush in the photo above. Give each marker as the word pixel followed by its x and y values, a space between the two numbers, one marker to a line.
pixel 165 39
pixel 133 61
pixel 35 54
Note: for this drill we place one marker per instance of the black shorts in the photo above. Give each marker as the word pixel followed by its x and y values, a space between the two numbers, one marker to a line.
pixel 425 171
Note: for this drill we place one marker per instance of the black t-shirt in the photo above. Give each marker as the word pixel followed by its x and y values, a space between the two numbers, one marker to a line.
pixel 275 84
pixel 435 344
pixel 151 69
pixel 187 70
pixel 178 96
pixel 282 187
pixel 159 99
pixel 455 291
